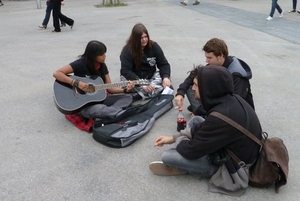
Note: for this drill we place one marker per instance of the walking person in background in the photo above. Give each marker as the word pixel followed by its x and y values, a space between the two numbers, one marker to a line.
pixel 275 5
pixel 185 2
pixel 294 7
pixel 58 15
pixel 47 16
pixel 1 4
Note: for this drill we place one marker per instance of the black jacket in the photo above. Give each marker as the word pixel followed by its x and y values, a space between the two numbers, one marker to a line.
pixel 241 74
pixel 213 135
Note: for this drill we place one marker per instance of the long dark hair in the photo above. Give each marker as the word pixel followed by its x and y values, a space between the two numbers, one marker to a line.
pixel 134 43
pixel 93 49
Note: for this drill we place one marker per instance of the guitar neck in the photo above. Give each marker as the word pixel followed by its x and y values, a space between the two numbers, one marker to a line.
pixel 114 85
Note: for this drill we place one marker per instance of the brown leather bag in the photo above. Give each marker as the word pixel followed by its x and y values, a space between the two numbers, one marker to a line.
pixel 271 166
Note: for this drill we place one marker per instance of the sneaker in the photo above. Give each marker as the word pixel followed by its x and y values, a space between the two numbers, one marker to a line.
pixel 184 3
pixel 298 11
pixel 292 11
pixel 281 14
pixel 196 3
pixel 269 18
pixel 158 168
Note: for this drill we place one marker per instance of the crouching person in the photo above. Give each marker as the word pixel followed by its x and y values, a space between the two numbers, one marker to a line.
pixel 201 147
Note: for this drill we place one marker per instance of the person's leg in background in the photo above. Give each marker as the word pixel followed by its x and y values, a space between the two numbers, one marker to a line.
pixel 56 14
pixel 47 15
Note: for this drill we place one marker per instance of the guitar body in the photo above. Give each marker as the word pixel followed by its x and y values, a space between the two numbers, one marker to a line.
pixel 70 101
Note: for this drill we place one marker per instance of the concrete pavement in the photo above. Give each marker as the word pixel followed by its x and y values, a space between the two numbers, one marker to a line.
pixel 44 157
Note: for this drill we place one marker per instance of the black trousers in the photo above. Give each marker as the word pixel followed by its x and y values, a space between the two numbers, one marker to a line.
pixel 58 15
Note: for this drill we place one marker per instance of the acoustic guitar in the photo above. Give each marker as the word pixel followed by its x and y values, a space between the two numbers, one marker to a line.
pixel 69 100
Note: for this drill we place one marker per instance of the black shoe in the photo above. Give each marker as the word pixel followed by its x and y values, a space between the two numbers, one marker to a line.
pixel 72 25
pixel 189 108
pixel 136 96
pixel 196 3
pixel 56 31
pixel 298 11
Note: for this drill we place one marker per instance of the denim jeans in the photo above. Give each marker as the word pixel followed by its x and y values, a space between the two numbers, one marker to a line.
pixel 194 121
pixel 275 6
pixel 294 4
pixel 48 13
pixel 201 166
pixel 191 97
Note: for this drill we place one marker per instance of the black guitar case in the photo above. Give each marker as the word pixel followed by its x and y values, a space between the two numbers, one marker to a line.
pixel 137 121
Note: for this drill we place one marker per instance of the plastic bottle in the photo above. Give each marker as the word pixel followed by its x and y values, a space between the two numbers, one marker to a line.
pixel 181 122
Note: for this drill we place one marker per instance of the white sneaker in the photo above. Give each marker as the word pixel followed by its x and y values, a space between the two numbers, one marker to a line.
pixel 281 14
pixel 158 168
pixel 184 3
pixel 269 18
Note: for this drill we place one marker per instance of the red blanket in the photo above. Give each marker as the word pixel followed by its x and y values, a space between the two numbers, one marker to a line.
pixel 81 123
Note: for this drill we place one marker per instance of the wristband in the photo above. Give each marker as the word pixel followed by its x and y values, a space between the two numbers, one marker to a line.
pixel 76 83
pixel 125 90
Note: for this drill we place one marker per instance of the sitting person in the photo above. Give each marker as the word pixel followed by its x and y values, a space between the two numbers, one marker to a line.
pixel 139 59
pixel 92 63
pixel 216 53
pixel 203 142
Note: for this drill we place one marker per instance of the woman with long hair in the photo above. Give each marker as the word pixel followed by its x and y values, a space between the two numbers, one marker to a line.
pixel 140 59
pixel 92 63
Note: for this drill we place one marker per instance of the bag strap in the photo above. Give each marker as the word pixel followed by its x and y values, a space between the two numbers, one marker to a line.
pixel 237 126
pixel 237 159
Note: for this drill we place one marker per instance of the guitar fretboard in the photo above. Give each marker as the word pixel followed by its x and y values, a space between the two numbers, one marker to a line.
pixel 113 85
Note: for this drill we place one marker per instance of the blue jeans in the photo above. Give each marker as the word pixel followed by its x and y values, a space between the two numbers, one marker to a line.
pixel 201 166
pixel 275 6
pixel 294 4
pixel 194 121
pixel 191 97
pixel 48 13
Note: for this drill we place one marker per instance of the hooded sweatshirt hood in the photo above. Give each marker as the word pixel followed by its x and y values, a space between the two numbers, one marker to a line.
pixel 215 84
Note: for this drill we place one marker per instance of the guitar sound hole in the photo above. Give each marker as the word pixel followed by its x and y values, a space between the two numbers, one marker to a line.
pixel 91 89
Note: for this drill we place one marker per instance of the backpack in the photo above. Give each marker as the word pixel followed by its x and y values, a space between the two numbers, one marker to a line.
pixel 133 124
pixel 271 165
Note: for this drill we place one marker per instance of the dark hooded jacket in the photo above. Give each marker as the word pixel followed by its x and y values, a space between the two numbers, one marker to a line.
pixel 213 135
pixel 241 74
